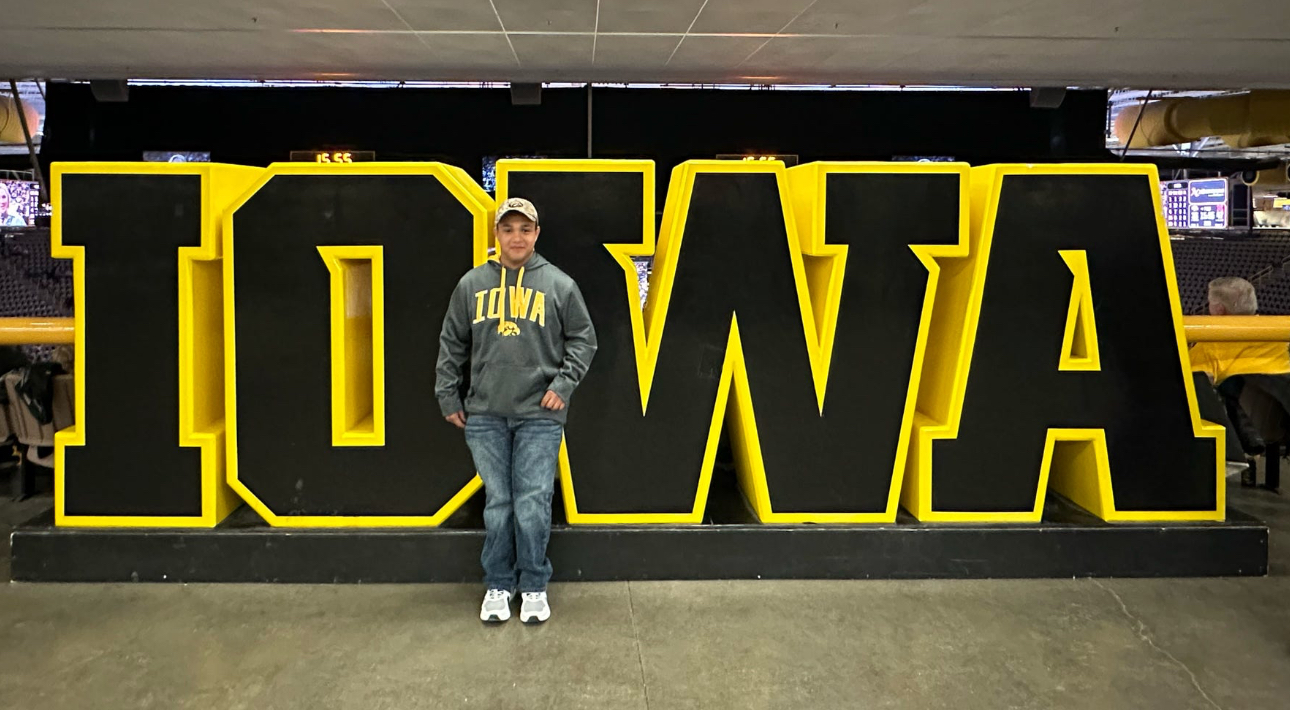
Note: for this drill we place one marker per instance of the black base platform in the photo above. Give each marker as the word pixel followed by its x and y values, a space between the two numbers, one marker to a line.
pixel 1068 543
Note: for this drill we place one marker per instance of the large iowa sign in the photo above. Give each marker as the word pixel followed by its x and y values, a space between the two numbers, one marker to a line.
pixel 957 341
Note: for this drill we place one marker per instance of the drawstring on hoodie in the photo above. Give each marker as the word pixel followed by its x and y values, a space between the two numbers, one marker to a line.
pixel 504 326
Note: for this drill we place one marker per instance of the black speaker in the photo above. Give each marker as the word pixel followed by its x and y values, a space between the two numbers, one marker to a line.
pixel 1047 96
pixel 110 90
pixel 526 94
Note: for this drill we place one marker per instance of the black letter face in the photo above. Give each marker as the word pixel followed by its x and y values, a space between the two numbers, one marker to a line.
pixel 130 228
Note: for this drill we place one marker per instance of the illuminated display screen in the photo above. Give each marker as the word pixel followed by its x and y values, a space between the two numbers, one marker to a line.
pixel 20 203
pixel 1207 203
pixel 788 160
pixel 332 156
pixel 176 156
pixel 1195 204
pixel 1173 197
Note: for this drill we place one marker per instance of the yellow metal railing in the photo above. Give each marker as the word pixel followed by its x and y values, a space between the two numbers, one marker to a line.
pixel 59 331
pixel 1233 328
pixel 36 331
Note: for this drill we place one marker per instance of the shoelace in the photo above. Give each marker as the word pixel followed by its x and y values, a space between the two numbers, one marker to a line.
pixel 495 595
pixel 533 597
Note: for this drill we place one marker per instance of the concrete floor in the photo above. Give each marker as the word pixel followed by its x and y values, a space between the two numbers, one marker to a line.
pixel 1176 644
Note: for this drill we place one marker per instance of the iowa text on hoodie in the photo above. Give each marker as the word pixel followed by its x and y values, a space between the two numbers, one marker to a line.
pixel 523 332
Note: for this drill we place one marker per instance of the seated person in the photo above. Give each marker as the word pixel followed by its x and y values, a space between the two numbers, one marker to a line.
pixel 1234 296
pixel 1230 364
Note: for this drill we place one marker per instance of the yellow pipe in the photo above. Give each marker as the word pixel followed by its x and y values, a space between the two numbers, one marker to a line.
pixel 10 125
pixel 37 331
pixel 60 331
pixel 1263 329
pixel 1272 177
pixel 1244 120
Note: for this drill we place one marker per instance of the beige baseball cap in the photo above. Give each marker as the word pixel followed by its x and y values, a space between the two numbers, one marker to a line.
pixel 517 204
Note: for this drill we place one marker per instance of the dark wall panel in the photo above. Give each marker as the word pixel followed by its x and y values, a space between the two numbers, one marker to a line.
pixel 461 126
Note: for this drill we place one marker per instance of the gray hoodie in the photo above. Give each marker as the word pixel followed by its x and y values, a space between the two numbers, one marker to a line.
pixel 538 337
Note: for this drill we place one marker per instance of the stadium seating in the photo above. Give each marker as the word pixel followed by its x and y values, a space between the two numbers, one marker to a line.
pixel 1274 293
pixel 32 283
pixel 1197 261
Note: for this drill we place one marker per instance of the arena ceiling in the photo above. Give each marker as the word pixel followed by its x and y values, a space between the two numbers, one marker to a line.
pixel 1095 43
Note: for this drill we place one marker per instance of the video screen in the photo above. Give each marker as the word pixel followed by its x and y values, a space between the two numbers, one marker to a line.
pixel 1207 203
pixel 20 203
pixel 1195 204
pixel 176 156
pixel 1272 212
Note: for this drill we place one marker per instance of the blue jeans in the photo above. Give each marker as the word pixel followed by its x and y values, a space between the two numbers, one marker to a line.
pixel 516 458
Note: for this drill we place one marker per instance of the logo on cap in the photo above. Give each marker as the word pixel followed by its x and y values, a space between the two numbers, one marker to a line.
pixel 518 204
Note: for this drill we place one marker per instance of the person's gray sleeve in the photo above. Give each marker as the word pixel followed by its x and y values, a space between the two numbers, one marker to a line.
pixel 454 352
pixel 579 345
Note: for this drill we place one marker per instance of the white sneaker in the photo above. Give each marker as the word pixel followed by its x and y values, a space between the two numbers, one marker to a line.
pixel 496 607
pixel 534 609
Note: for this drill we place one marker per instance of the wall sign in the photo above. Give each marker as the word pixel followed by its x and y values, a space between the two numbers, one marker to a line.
pixel 955 341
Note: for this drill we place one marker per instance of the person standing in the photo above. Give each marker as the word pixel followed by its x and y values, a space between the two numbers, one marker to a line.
pixel 522 326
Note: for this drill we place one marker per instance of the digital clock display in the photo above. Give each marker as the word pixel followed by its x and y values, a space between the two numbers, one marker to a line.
pixel 788 160
pixel 332 156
